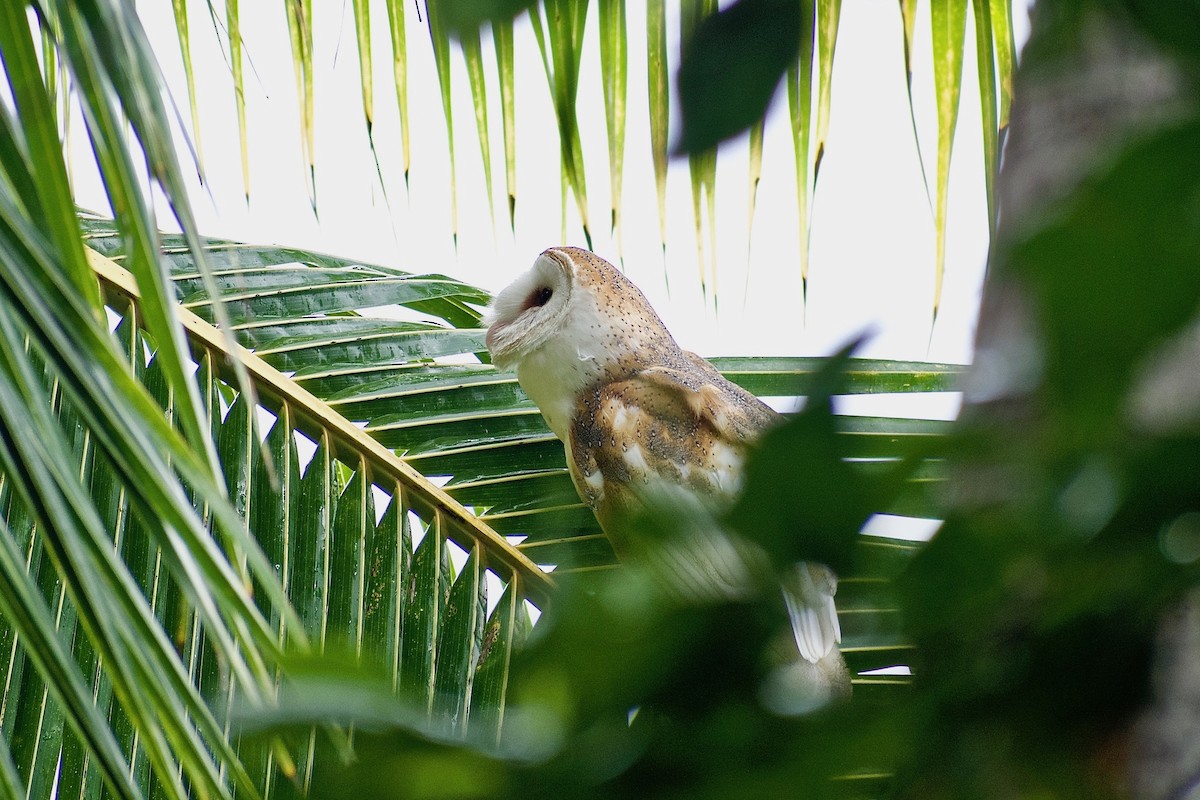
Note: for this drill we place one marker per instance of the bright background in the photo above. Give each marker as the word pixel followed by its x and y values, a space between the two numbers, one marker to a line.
pixel 872 241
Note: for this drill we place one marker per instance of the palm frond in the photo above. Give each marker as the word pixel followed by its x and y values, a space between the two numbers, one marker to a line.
pixel 560 31
pixel 361 551
pixel 352 575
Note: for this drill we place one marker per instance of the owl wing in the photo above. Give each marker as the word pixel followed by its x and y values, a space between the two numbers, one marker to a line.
pixel 683 429
pixel 681 426
pixel 677 433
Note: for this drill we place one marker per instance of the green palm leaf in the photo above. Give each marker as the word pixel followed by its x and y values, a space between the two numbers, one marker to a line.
pixel 163 555
pixel 344 572
pixel 347 570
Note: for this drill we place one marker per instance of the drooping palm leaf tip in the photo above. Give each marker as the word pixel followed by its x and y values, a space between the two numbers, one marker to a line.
pixel 179 8
pixel 300 28
pixel 362 30
pixel 561 25
pixel 614 66
pixel 473 55
pixel 658 96
pixel 702 161
pixel 560 40
pixel 440 38
pixel 949 21
pixel 396 29
pixel 502 37
pixel 799 91
pixel 234 28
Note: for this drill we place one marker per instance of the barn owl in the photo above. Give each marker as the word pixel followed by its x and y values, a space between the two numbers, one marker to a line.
pixel 635 411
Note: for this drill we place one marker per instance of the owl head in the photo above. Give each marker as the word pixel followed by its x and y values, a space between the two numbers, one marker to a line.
pixel 570 321
pixel 572 296
pixel 531 309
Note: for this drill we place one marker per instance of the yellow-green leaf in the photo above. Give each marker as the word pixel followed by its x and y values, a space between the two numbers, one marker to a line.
pixel 502 36
pixel 233 25
pixel 441 56
pixel 185 51
pixel 949 22
pixel 656 69
pixel 908 17
pixel 799 83
pixel 400 74
pixel 702 166
pixel 986 64
pixel 561 51
pixel 473 55
pixel 299 19
pixel 614 65
pixel 829 14
pixel 755 175
pixel 1006 48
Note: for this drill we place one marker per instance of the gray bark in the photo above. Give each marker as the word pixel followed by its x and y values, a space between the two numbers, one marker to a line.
pixel 1075 110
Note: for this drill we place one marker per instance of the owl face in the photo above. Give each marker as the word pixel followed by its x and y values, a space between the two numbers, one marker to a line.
pixel 548 325
pixel 530 310
pixel 577 305
pixel 570 321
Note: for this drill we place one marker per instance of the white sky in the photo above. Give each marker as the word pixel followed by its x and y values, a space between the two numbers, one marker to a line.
pixel 872 241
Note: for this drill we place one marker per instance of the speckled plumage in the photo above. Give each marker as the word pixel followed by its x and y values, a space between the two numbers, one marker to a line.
pixel 634 409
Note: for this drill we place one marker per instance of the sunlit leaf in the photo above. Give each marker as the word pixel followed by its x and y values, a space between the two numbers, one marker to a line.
pixel 560 46
pixel 829 13
pixel 49 194
pixel 179 7
pixel 754 173
pixel 396 29
pixel 908 17
pixel 614 66
pixel 300 28
pixel 441 56
pixel 234 27
pixel 502 37
pixel 473 55
pixel 986 64
pixel 799 86
pixel 702 165
pixel 656 72
pixel 1006 55
pixel 949 21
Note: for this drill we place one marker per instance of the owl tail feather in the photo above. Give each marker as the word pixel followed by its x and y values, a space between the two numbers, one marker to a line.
pixel 809 597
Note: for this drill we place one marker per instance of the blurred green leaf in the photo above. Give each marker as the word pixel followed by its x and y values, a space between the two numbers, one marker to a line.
pixel 731 67
pixel 830 499
pixel 465 18
pixel 1094 338
pixel 949 22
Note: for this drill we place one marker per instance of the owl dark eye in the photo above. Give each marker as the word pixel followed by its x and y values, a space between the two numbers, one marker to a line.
pixel 541 296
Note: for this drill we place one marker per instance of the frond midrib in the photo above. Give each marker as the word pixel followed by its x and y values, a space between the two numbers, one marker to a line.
pixel 313 416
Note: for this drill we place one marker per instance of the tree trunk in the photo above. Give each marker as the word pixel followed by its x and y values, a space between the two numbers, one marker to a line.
pixel 1091 82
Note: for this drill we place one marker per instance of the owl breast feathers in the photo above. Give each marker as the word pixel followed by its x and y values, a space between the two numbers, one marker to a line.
pixel 633 409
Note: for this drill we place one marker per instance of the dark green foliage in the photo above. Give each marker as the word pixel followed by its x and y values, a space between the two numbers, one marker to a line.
pixel 731 68
pixel 698 675
pixel 829 498
pixel 1124 275
pixel 1176 25
pixel 1035 613
pixel 1030 621
pixel 466 17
